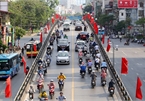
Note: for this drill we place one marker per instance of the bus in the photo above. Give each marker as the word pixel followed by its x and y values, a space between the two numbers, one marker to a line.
pixel 9 65
pixel 30 50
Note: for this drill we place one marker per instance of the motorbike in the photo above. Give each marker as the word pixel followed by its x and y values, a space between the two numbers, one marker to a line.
pixel 104 69
pixel 97 66
pixel 43 99
pixel 126 43
pixel 51 92
pixel 89 70
pixel 140 41
pixel 48 62
pixel 39 66
pixel 61 84
pixel 134 40
pixel 103 82
pixel 40 87
pixel 80 60
pixel 91 50
pixel 111 91
pixel 85 52
pixel 83 74
pixel 51 42
pixel 94 55
pixel 49 52
pixel 93 83
pixel 31 95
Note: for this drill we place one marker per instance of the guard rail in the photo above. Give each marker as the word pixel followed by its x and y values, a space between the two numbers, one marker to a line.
pixel 28 79
pixel 120 86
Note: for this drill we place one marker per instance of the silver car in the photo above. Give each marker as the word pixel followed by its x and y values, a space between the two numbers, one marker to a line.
pixel 63 57
pixel 80 44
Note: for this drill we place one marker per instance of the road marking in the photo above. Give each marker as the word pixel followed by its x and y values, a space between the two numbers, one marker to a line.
pixel 138 64
pixel 132 68
pixel 124 53
pixel 72 68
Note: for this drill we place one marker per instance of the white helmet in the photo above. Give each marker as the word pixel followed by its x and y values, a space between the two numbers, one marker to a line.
pixel 51 80
pixel 93 71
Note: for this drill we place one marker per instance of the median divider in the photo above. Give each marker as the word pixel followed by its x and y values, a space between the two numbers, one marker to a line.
pixel 120 86
pixel 29 78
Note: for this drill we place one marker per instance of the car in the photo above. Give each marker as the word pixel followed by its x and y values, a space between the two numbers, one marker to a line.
pixel 80 44
pixel 63 57
pixel 66 26
pixel 78 27
pixel 68 21
pixel 63 44
pixel 83 36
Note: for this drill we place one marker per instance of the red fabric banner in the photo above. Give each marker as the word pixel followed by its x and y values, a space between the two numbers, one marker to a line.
pixel 52 20
pixel 103 39
pixel 108 47
pixel 138 89
pixel 124 66
pixel 24 62
pixel 127 3
pixel 41 37
pixel 8 90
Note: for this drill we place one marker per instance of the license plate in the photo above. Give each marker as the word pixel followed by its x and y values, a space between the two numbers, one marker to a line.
pixel 111 90
pixel 62 61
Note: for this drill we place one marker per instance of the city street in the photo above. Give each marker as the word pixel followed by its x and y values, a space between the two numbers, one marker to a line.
pixel 75 88
pixel 136 60
pixel 18 79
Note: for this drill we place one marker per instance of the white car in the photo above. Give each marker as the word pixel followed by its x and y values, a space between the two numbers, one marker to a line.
pixel 63 57
pixel 66 26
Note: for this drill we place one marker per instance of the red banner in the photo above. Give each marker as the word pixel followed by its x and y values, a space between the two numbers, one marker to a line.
pixel 127 3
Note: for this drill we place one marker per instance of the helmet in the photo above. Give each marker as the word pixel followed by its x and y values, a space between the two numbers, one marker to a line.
pixel 93 71
pixel 103 60
pixel 51 80
pixel 61 73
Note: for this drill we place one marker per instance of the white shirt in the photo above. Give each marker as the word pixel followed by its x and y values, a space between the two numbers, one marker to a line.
pixel 98 55
pixel 97 60
pixel 96 47
pixel 61 98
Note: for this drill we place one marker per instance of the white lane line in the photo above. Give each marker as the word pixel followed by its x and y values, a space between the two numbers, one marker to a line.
pixel 143 80
pixel 137 74
pixel 132 68
pixel 4 83
pixel 124 53
pixel 138 64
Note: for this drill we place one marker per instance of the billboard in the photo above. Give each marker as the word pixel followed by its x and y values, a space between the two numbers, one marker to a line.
pixel 127 3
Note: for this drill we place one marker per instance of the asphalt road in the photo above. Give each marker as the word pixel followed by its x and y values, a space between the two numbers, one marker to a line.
pixel 18 79
pixel 136 59
pixel 76 88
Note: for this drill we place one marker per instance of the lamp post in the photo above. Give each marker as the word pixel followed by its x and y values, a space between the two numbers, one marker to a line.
pixel 114 48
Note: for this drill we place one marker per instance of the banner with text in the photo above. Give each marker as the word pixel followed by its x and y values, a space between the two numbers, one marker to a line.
pixel 127 3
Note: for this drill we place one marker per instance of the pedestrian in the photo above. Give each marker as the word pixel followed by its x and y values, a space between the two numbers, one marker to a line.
pixel 120 37
pixel 31 92
pixel 22 51
pixel 61 97
pixel 85 28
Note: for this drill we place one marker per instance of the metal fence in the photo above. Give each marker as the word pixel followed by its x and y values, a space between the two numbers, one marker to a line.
pixel 120 86
pixel 28 79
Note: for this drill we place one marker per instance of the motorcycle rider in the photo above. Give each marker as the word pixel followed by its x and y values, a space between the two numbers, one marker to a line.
pixel 61 77
pixel 40 80
pixel 40 61
pixel 27 70
pixel 61 97
pixel 65 36
pixel 97 60
pixel 103 65
pixel 82 68
pixel 31 91
pixel 80 53
pixel 103 75
pixel 43 95
pixel 89 64
pixel 111 84
pixel 96 47
pixel 88 56
pixel 48 56
pixel 93 75
pixel 51 84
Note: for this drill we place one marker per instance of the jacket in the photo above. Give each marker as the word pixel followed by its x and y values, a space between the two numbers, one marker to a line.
pixel 83 68
pixel 43 95
pixel 61 77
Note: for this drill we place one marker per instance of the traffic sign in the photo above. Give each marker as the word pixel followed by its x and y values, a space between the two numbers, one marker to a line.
pixel 127 3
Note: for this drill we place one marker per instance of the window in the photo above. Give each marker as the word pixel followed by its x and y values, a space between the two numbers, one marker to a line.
pixel 121 14
pixel 141 13
pixel 141 4
pixel 4 65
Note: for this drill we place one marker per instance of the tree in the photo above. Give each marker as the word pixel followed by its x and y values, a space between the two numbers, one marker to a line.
pixel 88 8
pixel 27 13
pixel 120 26
pixel 3 46
pixel 141 22
pixel 19 32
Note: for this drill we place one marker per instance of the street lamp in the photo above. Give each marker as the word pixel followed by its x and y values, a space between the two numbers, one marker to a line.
pixel 114 48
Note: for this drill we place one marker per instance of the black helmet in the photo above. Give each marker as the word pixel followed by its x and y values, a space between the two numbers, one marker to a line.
pixel 61 73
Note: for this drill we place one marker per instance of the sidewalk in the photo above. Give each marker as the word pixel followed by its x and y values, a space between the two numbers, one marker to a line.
pixel 28 34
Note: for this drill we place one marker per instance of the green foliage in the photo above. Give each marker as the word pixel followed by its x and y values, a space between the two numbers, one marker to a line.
pixel 105 19
pixel 19 32
pixel 2 45
pixel 88 8
pixel 141 21
pixel 128 22
pixel 120 25
pixel 28 13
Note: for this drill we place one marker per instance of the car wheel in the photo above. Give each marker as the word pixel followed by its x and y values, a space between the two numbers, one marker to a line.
pixel 69 63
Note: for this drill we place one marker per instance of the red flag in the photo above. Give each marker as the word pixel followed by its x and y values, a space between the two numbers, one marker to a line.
pixel 124 66
pixel 52 20
pixel 8 92
pixel 103 39
pixel 41 37
pixel 108 47
pixel 95 27
pixel 138 89
pixel 35 47
pixel 24 62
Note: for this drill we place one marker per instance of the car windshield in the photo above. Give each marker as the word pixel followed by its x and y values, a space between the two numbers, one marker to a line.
pixel 78 24
pixel 80 43
pixel 4 65
pixel 66 25
pixel 62 54
pixel 62 42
